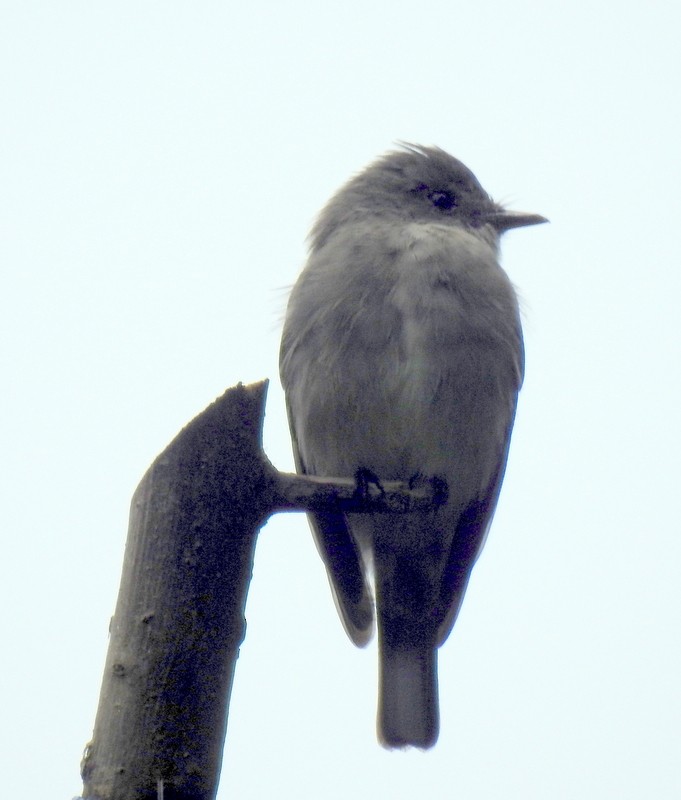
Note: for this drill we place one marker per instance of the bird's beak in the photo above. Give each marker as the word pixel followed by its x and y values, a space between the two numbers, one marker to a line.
pixel 504 220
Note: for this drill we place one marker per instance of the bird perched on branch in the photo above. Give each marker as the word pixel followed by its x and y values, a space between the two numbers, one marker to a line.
pixel 402 357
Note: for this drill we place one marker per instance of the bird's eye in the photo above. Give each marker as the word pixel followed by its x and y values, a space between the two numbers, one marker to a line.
pixel 439 198
pixel 443 200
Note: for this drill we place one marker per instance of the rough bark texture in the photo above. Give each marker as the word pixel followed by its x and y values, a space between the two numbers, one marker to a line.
pixel 179 619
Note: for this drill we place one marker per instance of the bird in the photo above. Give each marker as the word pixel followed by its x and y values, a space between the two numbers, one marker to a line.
pixel 401 358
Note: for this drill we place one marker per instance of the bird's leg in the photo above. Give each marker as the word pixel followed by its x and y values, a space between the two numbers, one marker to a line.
pixel 440 490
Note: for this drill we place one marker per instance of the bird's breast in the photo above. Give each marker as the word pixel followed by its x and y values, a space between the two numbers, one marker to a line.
pixel 413 356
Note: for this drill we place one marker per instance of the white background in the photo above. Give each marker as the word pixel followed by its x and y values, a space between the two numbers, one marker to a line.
pixel 160 166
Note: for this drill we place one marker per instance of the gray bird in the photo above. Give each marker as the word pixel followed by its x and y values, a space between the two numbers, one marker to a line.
pixel 402 356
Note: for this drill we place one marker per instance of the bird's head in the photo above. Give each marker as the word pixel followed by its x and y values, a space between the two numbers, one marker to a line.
pixel 418 184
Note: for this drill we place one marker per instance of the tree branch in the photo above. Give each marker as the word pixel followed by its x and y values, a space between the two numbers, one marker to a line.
pixel 179 618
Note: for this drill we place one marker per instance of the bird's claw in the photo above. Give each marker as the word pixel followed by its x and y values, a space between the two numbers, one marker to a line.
pixel 437 483
pixel 363 479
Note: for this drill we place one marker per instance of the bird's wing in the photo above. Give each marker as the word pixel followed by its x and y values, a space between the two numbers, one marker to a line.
pixel 469 538
pixel 341 557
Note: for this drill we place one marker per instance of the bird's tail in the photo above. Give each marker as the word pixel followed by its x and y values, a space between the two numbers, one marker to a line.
pixel 408 700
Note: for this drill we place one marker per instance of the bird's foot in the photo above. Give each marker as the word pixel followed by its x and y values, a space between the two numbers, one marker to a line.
pixel 364 478
pixel 438 486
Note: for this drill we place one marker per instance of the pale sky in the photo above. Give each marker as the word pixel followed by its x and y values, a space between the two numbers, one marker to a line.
pixel 161 164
